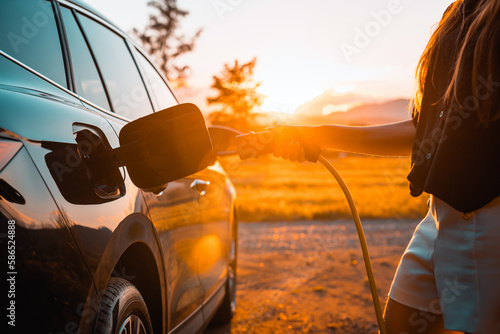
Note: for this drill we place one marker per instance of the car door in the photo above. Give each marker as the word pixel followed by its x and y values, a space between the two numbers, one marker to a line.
pixel 217 240
pixel 174 212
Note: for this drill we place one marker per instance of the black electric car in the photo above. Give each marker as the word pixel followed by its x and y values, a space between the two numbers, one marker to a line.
pixel 115 215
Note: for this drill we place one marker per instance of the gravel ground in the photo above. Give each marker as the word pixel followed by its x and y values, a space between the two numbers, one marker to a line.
pixel 309 277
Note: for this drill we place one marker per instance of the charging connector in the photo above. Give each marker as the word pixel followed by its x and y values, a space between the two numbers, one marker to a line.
pixel 254 145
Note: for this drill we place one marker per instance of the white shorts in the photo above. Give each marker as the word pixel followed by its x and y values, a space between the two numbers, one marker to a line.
pixel 452 267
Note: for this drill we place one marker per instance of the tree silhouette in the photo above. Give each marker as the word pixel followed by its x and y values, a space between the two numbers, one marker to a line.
pixel 161 40
pixel 237 96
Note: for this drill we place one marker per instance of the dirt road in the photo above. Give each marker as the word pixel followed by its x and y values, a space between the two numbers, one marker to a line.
pixel 309 277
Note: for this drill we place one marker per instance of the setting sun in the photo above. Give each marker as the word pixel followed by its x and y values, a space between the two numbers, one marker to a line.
pixel 286 95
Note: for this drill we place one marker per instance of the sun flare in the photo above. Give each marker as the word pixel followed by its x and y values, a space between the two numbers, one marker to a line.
pixel 285 96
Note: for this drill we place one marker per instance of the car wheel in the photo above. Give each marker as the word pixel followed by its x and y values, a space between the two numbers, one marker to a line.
pixel 123 310
pixel 228 307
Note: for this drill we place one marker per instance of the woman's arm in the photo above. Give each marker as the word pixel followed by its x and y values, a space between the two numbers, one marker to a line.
pixel 394 139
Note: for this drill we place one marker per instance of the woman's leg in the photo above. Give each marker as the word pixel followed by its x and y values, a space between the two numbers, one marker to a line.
pixel 401 319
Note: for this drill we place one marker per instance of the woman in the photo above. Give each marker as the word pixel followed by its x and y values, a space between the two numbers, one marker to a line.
pixel 449 277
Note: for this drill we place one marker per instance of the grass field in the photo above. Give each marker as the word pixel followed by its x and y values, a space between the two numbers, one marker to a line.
pixel 271 189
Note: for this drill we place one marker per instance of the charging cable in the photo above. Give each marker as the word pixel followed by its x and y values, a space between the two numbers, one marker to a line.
pixel 362 241
pixel 253 145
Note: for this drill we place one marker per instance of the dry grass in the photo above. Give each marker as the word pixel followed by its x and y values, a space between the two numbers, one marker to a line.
pixel 271 189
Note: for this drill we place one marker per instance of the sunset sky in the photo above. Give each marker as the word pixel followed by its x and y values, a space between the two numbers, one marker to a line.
pixel 304 48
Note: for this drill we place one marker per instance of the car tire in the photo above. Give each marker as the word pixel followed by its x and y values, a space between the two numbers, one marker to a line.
pixel 228 307
pixel 123 310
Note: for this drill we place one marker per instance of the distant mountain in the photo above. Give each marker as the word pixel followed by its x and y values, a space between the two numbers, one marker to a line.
pixel 365 114
pixel 333 101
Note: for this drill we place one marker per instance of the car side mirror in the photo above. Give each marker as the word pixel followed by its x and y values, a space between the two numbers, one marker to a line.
pixel 165 146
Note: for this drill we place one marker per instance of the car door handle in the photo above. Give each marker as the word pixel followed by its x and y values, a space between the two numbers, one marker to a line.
pixel 200 186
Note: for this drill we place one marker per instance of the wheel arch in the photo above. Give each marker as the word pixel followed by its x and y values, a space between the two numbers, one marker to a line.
pixel 132 253
pixel 138 266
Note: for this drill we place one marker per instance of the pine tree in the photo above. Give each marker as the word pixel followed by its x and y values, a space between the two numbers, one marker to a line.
pixel 238 99
pixel 162 41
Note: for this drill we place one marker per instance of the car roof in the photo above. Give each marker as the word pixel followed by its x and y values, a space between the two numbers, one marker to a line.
pixel 94 11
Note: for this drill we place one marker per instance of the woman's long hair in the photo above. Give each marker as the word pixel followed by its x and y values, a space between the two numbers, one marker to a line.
pixel 474 82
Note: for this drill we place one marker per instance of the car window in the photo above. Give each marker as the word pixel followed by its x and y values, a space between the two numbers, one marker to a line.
pixel 121 77
pixel 28 32
pixel 160 91
pixel 88 82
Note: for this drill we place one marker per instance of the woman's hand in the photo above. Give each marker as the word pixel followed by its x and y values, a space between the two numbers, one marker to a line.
pixel 292 151
pixel 287 142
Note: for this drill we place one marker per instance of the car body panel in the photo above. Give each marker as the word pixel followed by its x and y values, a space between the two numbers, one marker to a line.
pixel 52 280
pixel 219 229
pixel 216 213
